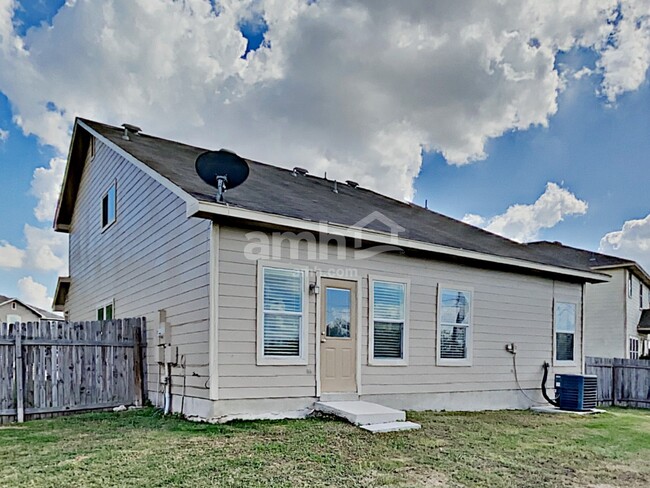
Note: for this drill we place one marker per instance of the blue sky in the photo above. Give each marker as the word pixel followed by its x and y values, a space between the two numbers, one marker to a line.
pixel 600 152
pixel 356 93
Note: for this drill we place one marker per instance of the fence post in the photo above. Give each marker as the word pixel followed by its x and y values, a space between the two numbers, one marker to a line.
pixel 613 384
pixel 18 361
pixel 138 399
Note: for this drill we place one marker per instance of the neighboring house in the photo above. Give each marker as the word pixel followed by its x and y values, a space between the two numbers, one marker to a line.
pixel 289 291
pixel 613 310
pixel 13 310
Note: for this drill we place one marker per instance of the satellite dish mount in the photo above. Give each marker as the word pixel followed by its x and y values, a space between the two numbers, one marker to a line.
pixel 222 169
pixel 221 187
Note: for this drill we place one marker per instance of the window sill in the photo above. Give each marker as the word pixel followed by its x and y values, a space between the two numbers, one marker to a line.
pixel 453 362
pixel 387 362
pixel 564 364
pixel 108 226
pixel 272 361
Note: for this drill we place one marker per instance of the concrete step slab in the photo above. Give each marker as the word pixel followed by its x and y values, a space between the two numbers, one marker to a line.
pixel 361 413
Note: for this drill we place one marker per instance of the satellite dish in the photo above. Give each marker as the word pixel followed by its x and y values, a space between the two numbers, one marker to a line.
pixel 222 169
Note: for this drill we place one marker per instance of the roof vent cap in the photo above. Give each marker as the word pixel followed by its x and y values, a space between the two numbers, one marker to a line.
pixel 351 183
pixel 130 129
pixel 299 171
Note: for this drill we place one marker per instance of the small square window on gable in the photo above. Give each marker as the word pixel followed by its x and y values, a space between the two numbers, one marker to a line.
pixel 109 206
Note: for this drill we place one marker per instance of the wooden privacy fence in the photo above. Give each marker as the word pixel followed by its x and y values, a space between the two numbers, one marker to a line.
pixel 623 382
pixel 49 368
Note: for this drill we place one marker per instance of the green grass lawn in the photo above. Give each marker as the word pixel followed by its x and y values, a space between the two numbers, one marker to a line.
pixel 512 448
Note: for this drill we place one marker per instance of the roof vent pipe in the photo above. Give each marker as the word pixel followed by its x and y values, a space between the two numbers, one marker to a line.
pixel 130 129
pixel 352 184
pixel 299 171
pixel 336 187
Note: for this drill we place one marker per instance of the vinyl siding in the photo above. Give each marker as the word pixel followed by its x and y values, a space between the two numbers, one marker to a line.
pixel 633 314
pixel 153 257
pixel 508 307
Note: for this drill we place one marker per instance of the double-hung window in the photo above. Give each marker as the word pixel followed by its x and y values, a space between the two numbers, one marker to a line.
pixel 634 348
pixel 282 304
pixel 454 327
pixel 388 322
pixel 565 331
pixel 109 206
pixel 106 312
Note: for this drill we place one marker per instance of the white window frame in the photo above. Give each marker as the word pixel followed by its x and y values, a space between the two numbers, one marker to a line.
pixel 13 305
pixel 101 206
pixel 468 361
pixel 638 345
pixel 640 295
pixel 301 359
pixel 630 282
pixel 103 306
pixel 556 361
pixel 404 360
pixel 12 318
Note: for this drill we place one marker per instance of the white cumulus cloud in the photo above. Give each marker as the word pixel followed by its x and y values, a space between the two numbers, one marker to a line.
pixel 631 242
pixel 46 184
pixel 11 256
pixel 4 135
pixel 523 222
pixel 358 89
pixel 46 250
pixel 34 293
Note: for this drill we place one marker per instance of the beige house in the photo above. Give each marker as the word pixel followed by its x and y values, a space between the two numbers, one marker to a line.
pixel 298 288
pixel 13 310
pixel 614 311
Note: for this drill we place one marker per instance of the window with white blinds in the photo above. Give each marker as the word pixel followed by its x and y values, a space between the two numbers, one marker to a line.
pixel 454 326
pixel 282 313
pixel 388 308
pixel 565 330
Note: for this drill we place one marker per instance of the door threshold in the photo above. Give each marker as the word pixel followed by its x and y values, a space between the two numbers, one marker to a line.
pixel 339 397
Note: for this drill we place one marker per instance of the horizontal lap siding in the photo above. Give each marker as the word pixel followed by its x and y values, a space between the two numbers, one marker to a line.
pixel 508 307
pixel 152 258
pixel 604 317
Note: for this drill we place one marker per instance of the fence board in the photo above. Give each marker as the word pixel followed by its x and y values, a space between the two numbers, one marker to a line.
pixel 623 382
pixel 50 369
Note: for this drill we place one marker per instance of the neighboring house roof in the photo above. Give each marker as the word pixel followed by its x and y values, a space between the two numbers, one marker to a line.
pixel 43 314
pixel 644 322
pixel 594 260
pixel 303 200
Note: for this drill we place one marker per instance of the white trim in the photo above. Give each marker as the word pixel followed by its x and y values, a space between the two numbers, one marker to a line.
pixel 469 337
pixel 638 347
pixel 404 361
pixel 102 306
pixel 175 189
pixel 556 361
pixel 317 282
pixel 101 206
pixel 201 208
pixel 263 360
pixel 214 312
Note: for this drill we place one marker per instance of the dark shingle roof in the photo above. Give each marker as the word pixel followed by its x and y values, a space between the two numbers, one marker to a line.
pixel 582 257
pixel 275 190
pixel 644 322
